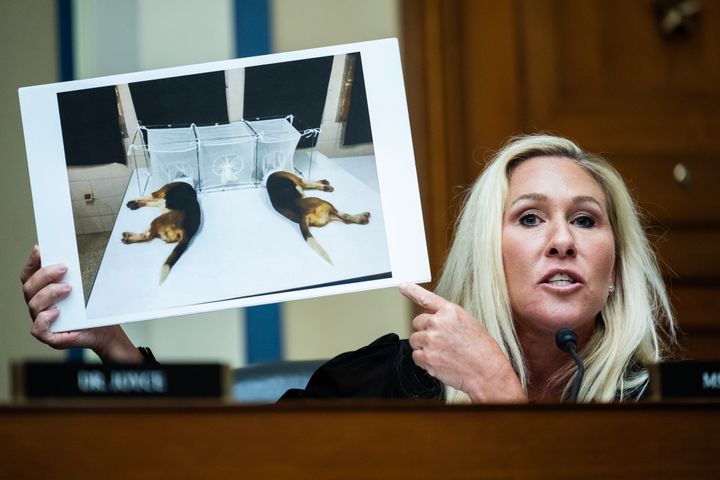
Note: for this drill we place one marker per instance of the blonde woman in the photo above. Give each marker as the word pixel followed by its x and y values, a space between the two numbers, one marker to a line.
pixel 548 238
pixel 544 206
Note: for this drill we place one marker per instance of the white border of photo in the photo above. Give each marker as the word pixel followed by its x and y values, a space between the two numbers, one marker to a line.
pixel 394 159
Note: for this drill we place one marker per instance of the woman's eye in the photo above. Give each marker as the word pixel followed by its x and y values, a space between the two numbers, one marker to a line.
pixel 584 221
pixel 530 220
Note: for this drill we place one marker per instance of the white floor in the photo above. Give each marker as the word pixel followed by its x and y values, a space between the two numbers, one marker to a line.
pixel 244 247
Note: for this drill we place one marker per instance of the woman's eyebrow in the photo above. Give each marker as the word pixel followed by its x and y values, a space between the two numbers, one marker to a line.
pixel 586 199
pixel 541 197
pixel 538 197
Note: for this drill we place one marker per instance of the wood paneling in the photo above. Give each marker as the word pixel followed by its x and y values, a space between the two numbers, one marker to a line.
pixel 429 43
pixel 600 71
pixel 362 441
pixel 697 306
pixel 690 256
pixel 597 71
pixel 454 94
pixel 669 202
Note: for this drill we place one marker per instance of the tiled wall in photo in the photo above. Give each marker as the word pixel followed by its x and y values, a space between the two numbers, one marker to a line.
pixel 107 185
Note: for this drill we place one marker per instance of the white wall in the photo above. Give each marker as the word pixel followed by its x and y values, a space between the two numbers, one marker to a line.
pixel 316 23
pixel 29 56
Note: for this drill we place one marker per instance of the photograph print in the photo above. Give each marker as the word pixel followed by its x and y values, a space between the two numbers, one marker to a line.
pixel 227 184
pixel 222 185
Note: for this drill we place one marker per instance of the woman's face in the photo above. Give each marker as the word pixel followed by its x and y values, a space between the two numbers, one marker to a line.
pixel 558 247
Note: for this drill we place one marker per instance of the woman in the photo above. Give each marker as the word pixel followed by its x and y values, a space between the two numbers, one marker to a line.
pixel 541 210
pixel 548 237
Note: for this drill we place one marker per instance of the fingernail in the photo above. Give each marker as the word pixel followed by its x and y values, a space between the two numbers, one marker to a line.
pixel 62 268
pixel 34 249
pixel 67 287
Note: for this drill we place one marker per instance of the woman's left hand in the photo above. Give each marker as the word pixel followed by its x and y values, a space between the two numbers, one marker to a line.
pixel 453 347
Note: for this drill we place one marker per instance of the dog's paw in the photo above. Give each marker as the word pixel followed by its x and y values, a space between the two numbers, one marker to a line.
pixel 126 237
pixel 364 218
pixel 133 204
pixel 326 187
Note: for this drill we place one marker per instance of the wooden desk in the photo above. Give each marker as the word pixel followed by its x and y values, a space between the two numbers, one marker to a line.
pixel 363 441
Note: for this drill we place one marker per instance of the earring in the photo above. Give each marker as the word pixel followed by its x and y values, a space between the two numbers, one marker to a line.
pixel 611 289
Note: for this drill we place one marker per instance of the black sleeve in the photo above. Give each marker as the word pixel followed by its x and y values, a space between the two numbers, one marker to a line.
pixel 383 369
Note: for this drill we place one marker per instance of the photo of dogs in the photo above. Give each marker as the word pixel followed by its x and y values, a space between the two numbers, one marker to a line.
pixel 236 185
pixel 178 224
pixel 286 192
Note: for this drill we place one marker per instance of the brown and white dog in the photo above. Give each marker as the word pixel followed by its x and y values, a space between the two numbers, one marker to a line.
pixel 286 192
pixel 177 225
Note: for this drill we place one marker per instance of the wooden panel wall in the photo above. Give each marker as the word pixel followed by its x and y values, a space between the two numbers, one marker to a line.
pixel 600 72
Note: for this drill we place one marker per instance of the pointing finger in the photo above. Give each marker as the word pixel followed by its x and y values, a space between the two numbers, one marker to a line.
pixel 425 299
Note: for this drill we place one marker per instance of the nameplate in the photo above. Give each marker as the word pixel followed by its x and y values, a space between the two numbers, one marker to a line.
pixel 43 380
pixel 685 380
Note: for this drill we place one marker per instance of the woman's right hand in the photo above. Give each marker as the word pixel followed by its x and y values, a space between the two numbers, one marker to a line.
pixel 452 346
pixel 43 288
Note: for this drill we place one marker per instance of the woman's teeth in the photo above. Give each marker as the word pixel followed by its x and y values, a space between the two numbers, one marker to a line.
pixel 560 280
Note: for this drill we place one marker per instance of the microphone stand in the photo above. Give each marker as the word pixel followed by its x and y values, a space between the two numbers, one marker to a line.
pixel 567 340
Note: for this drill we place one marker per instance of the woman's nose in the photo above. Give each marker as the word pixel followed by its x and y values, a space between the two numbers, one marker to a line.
pixel 561 242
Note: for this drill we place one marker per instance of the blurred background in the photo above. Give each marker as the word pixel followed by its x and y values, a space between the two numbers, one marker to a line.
pixel 636 81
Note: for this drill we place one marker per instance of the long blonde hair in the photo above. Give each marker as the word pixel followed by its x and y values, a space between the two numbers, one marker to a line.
pixel 634 327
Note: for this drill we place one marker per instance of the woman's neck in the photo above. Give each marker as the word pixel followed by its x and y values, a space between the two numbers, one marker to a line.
pixel 543 359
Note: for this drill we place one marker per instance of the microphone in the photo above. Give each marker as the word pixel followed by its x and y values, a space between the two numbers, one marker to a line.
pixel 566 341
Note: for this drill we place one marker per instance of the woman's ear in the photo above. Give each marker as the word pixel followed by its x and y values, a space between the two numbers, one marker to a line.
pixel 612 281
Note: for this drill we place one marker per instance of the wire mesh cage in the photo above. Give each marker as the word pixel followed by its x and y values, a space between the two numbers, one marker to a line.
pixel 226 155
pixel 277 141
pixel 220 156
pixel 173 155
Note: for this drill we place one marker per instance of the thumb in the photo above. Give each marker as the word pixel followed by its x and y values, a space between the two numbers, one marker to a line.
pixel 423 298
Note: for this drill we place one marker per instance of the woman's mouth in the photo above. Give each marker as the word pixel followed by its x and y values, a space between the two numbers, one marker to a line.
pixel 560 280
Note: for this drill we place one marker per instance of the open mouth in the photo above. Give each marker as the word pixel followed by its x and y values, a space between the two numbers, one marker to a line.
pixel 561 280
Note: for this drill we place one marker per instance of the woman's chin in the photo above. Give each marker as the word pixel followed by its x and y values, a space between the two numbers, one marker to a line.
pixel 551 321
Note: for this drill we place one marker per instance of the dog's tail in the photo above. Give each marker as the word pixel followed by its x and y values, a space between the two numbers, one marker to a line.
pixel 174 256
pixel 312 243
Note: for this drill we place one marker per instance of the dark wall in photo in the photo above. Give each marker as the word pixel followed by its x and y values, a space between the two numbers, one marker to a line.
pixel 357 128
pixel 91 127
pixel 297 88
pixel 180 101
